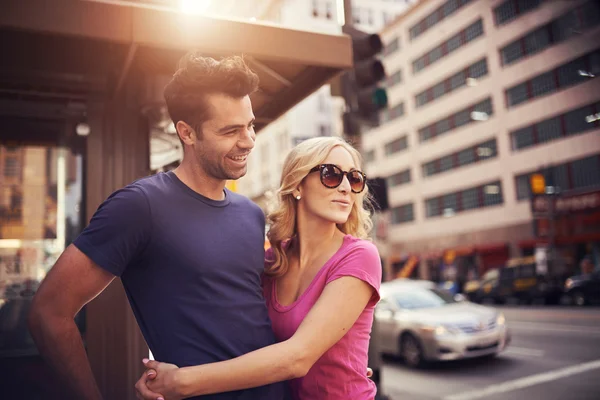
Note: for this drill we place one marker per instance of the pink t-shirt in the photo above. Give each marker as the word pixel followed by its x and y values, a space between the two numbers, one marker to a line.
pixel 340 373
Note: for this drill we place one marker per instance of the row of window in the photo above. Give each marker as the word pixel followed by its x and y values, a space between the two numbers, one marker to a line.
pixel 437 16
pixel 577 174
pixel 398 179
pixel 474 154
pixel 481 196
pixel 448 85
pixel 562 77
pixel 391 113
pixel 396 145
pixel 567 25
pixel 571 123
pixel 463 37
pixel 476 112
pixel 511 9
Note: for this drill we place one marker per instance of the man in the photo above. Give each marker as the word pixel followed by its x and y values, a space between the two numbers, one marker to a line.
pixel 188 251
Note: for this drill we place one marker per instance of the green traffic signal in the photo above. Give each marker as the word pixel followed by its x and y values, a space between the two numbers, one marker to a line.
pixel 380 98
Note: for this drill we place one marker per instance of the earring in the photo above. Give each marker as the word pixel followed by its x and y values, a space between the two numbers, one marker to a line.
pixel 298 197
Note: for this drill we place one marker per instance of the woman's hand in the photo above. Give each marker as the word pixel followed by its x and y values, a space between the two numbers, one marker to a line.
pixel 141 387
pixel 158 382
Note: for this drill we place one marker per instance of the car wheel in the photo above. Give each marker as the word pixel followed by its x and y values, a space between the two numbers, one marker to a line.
pixel 411 350
pixel 578 299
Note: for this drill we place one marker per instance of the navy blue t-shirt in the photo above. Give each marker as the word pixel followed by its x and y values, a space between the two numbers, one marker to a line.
pixel 191 267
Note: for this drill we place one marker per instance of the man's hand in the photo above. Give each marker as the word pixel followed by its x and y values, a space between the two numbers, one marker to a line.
pixel 158 382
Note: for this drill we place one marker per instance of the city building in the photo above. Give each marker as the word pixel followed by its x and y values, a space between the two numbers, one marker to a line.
pixel 483 94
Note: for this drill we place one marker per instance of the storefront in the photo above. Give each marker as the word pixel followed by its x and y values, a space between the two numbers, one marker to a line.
pixel 570 222
pixel 80 96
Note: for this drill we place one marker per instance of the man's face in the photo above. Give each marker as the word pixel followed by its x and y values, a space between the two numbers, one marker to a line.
pixel 226 138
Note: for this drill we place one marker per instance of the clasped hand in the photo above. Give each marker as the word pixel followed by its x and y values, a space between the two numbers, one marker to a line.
pixel 158 382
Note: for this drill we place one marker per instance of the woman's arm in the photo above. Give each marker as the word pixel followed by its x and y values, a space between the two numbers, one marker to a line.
pixel 336 310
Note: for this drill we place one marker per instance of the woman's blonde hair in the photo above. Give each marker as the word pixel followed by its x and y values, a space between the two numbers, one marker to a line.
pixel 298 163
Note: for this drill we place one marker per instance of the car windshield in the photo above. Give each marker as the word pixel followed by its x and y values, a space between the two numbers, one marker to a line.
pixel 423 298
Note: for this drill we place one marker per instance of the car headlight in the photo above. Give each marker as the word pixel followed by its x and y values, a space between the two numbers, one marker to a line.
pixel 500 319
pixel 440 330
pixel 568 283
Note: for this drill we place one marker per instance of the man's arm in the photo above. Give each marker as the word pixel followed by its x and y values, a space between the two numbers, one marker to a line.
pixel 73 281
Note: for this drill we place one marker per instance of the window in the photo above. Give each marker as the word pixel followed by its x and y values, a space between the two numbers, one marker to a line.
pixel 370 156
pixel 324 130
pixel 370 19
pixel 482 196
pixel 356 15
pixel 470 199
pixel 473 154
pixel 392 113
pixel 478 69
pixel 511 9
pixel 585 172
pixel 522 184
pixel 328 10
pixel 12 167
pixel 396 145
pixel 460 39
pixel 455 121
pixel 543 84
pixel 458 80
pixel 438 15
pixel 557 79
pixel 474 31
pixel 394 79
pixel 549 129
pixel 466 157
pixel 391 47
pixel 399 178
pixel 402 214
pixel 574 122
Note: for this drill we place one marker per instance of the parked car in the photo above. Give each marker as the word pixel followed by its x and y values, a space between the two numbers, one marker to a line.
pixel 421 323
pixel 583 289
pixel 518 280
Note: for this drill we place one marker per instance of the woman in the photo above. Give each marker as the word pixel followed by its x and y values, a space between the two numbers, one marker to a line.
pixel 321 286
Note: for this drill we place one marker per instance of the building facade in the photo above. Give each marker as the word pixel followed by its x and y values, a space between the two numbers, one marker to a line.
pixel 483 94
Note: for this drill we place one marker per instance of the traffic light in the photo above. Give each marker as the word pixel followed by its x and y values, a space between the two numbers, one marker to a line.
pixel 364 97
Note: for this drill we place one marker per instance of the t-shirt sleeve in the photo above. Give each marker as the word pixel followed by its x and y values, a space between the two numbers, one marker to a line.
pixel 362 262
pixel 119 230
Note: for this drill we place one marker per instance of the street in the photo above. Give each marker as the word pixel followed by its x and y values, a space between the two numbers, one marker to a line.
pixel 554 354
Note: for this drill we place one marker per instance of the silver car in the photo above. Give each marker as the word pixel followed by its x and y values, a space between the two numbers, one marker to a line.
pixel 421 323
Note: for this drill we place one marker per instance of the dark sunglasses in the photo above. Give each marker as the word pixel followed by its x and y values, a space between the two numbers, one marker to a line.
pixel 332 177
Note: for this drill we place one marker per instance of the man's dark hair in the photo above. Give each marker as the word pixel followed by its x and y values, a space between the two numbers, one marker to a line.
pixel 198 76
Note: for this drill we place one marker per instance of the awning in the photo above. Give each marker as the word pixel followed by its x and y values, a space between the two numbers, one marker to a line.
pixel 74 48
